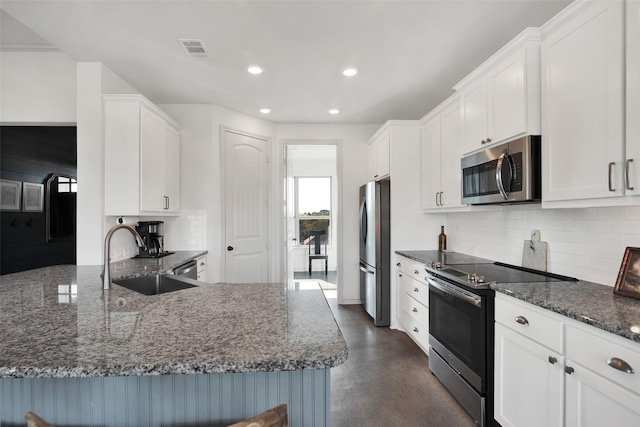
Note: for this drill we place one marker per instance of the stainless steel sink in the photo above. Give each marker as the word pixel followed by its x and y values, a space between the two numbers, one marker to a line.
pixel 156 283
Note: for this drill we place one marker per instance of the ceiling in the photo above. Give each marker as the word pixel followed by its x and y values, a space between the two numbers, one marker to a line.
pixel 409 53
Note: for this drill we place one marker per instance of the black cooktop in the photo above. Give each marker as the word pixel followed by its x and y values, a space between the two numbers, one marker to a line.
pixel 501 273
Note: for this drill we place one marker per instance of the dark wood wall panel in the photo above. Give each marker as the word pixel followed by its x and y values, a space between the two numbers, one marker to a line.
pixel 31 154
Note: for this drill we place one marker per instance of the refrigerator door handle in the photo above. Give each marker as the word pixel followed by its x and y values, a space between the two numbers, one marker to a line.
pixel 366 270
pixel 363 221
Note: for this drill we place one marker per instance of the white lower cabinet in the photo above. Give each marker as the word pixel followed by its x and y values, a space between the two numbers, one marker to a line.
pixel 528 381
pixel 413 297
pixel 551 370
pixel 202 268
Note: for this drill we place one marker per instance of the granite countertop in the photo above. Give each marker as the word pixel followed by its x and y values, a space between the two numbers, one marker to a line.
pixel 47 331
pixel 586 302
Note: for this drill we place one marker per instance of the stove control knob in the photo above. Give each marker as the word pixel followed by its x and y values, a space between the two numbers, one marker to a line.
pixel 480 279
pixel 437 264
pixel 472 277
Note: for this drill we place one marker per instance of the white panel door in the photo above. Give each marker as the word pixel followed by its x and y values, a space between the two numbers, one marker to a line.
pixel 152 136
pixel 507 115
pixel 582 94
pixel 246 208
pixel 593 401
pixel 172 170
pixel 632 162
pixel 451 196
pixel 431 163
pixel 474 114
pixel 528 382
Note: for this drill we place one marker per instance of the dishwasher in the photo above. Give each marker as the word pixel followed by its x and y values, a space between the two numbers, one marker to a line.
pixel 189 270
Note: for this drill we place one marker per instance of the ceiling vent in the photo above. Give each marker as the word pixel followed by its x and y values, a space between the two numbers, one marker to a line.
pixel 194 48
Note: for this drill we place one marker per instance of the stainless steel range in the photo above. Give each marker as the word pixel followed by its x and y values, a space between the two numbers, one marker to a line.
pixel 461 324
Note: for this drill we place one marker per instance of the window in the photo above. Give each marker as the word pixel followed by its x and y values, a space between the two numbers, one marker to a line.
pixel 67 185
pixel 313 206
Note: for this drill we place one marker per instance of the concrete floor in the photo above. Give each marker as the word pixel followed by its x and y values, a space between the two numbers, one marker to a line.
pixel 386 379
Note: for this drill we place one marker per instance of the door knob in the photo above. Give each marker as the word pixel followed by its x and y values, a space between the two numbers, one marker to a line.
pixel 229 248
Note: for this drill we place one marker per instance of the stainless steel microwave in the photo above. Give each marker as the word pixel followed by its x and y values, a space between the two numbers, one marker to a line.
pixel 503 174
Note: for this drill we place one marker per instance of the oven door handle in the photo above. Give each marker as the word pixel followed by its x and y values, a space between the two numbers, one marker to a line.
pixel 477 301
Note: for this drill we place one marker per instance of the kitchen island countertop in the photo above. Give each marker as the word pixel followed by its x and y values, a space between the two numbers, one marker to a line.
pixel 48 329
pixel 586 302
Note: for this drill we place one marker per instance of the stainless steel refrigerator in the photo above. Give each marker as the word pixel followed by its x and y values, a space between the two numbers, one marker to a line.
pixel 375 242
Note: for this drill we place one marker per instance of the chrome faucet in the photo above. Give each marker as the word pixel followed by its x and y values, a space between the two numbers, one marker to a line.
pixel 106 275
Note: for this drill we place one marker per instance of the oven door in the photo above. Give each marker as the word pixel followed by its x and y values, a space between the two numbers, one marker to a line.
pixel 457 322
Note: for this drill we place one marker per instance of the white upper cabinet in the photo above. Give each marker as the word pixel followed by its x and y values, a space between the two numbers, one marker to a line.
pixel 142 158
pixel 500 100
pixel 632 160
pixel 440 153
pixel 583 99
pixel 379 147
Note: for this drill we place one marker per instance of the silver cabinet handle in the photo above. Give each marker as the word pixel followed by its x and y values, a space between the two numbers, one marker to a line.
pixel 416 272
pixel 415 329
pixel 398 265
pixel 626 174
pixel 416 290
pixel 522 320
pixel 611 164
pixel 415 310
pixel 437 199
pixel 620 365
pixel 553 360
pixel 488 140
pixel 568 369
pixel 440 193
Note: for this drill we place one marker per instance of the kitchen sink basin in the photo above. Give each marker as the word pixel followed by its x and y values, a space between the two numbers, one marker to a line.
pixel 156 284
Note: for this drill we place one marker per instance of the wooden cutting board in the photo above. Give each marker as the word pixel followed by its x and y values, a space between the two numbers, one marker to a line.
pixel 534 255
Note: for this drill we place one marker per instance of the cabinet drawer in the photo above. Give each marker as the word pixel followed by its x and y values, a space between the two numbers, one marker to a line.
pixel 593 349
pixel 202 264
pixel 533 322
pixel 417 330
pixel 412 269
pixel 416 289
pixel 414 308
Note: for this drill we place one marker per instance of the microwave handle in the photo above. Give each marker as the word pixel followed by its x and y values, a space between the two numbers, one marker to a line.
pixel 503 156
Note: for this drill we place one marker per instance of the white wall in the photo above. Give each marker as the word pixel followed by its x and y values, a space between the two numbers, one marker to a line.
pixel 584 243
pixel 94 80
pixel 352 170
pixel 37 88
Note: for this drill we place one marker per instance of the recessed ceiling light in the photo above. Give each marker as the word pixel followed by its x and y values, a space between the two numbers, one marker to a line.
pixel 350 71
pixel 265 110
pixel 334 111
pixel 255 69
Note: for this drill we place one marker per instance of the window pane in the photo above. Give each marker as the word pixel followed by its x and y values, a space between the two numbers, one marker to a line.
pixel 314 196
pixel 306 225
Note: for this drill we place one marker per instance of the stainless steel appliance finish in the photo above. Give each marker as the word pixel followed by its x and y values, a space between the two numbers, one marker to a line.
pixel 504 174
pixel 189 270
pixel 375 274
pixel 461 317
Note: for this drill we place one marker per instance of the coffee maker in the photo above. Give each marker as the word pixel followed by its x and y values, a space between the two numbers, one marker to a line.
pixel 152 236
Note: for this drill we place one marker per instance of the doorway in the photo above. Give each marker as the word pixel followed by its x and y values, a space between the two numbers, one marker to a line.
pixel 312 205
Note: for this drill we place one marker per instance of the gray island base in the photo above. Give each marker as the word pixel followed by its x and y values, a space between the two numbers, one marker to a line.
pixel 209 356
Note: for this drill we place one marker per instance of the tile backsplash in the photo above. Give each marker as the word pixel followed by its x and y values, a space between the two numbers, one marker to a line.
pixel 584 243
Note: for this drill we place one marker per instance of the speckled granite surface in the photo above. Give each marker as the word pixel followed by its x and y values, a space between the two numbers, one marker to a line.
pixel 144 266
pixel 587 302
pixel 449 258
pixel 45 331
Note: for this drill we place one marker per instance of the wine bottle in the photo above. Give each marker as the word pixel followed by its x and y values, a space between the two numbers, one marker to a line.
pixel 442 240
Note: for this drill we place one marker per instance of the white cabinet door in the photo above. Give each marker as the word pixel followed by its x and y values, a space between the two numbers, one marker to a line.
pixel 582 90
pixel 507 115
pixel 451 173
pixel 592 401
pixel 152 147
pixel 172 170
pixel 528 382
pixel 379 151
pixel 473 110
pixel 431 163
pixel 632 161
